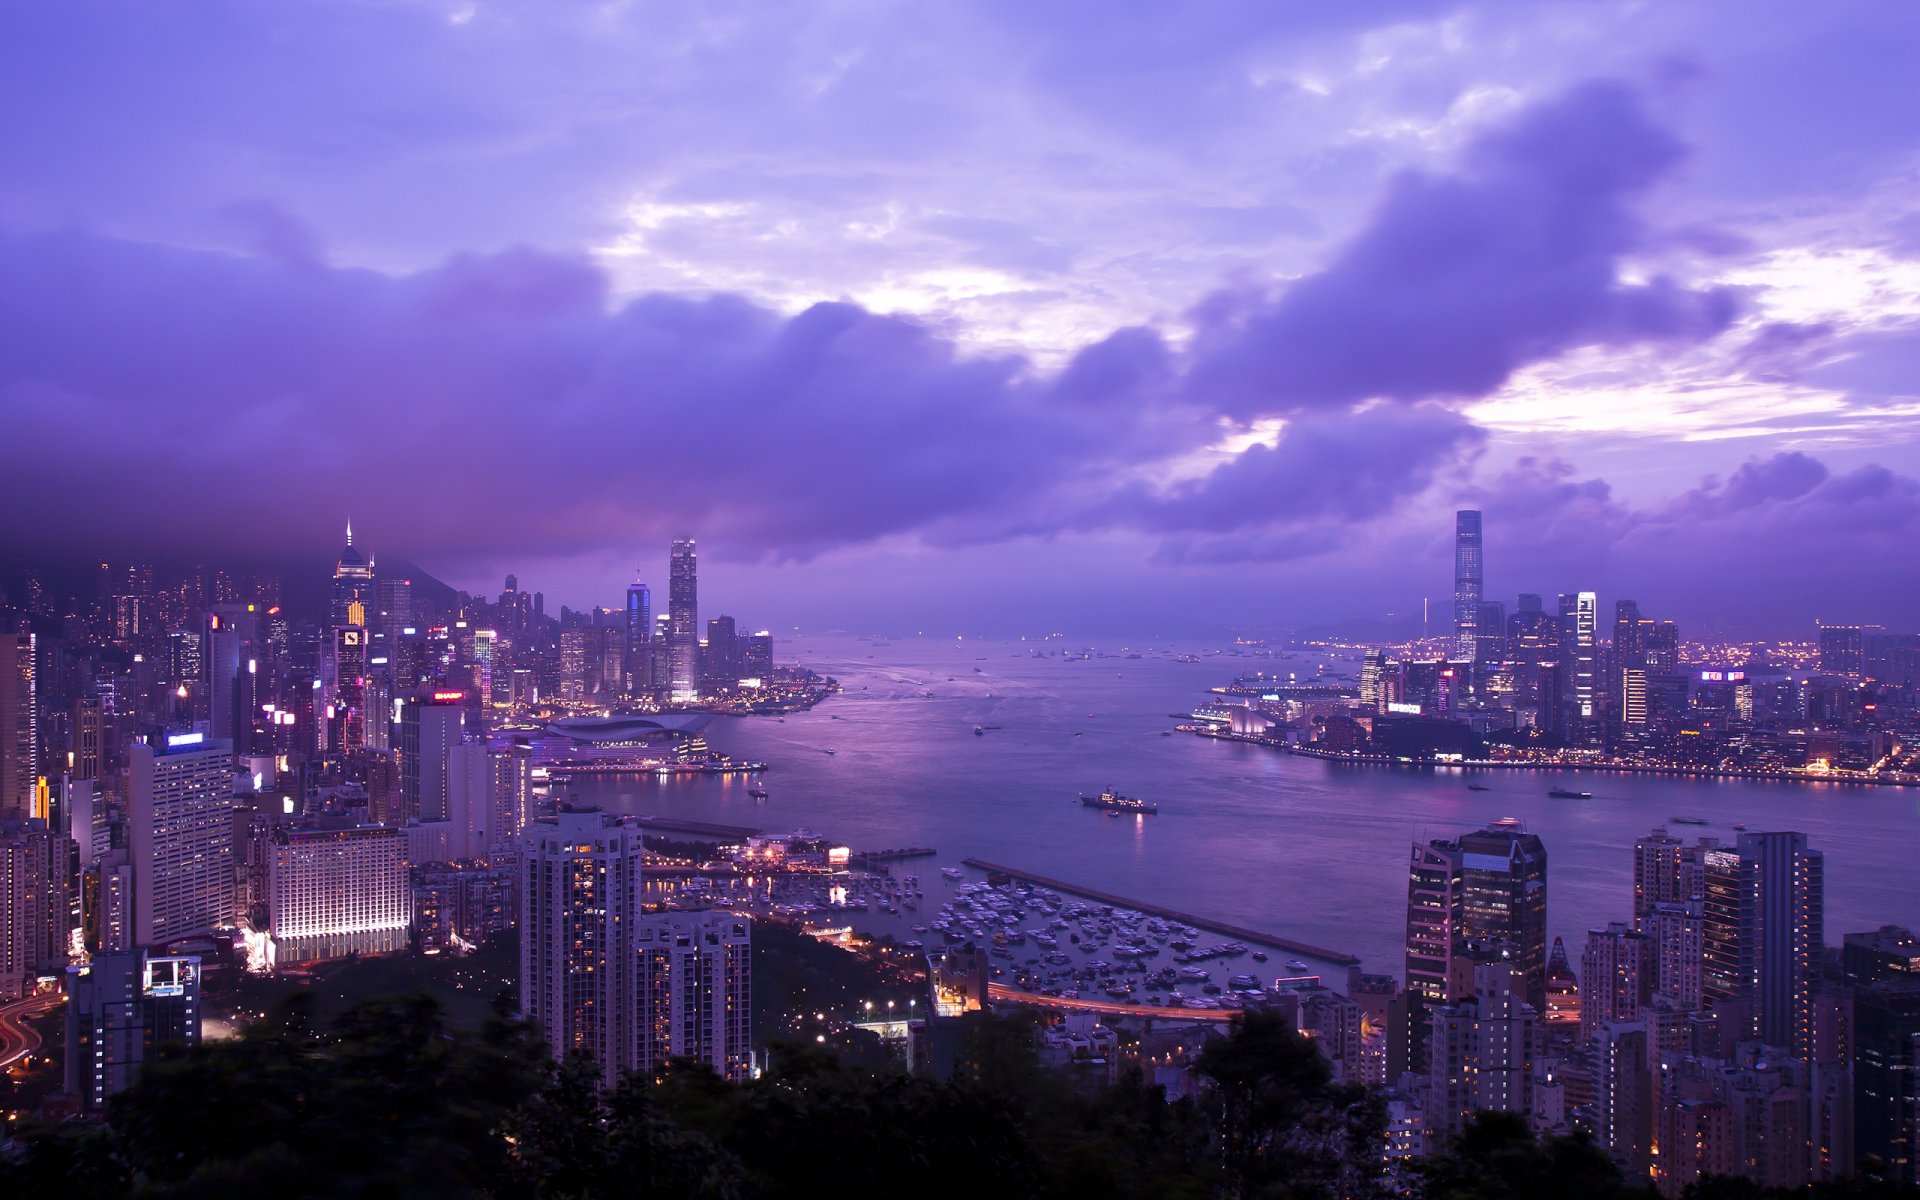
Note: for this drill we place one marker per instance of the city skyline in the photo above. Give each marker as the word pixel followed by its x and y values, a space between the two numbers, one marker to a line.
pixel 900 355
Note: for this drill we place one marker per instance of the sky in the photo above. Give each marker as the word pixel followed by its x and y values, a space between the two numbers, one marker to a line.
pixel 1142 319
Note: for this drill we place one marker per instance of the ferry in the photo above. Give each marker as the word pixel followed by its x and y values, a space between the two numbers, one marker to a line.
pixel 757 792
pixel 979 731
pixel 1568 794
pixel 1478 787
pixel 1114 802
pixel 1689 821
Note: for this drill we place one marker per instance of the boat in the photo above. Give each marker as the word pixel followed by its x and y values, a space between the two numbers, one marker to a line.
pixel 1568 794
pixel 1689 821
pixel 1294 964
pixel 831 750
pixel 757 792
pixel 979 731
pixel 950 872
pixel 1114 802
pixel 1478 787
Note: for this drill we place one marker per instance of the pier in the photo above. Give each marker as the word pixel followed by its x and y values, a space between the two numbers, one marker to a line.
pixel 1337 957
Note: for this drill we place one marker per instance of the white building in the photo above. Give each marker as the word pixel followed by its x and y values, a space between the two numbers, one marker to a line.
pixel 695 988
pixel 336 892
pixel 180 834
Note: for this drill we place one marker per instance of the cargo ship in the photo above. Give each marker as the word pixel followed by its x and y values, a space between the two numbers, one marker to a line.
pixel 1114 802
pixel 1568 794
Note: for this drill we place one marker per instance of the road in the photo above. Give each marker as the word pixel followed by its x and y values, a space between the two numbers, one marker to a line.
pixel 1000 991
pixel 17 1038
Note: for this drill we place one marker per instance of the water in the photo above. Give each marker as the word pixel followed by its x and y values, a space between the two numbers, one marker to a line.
pixel 1246 834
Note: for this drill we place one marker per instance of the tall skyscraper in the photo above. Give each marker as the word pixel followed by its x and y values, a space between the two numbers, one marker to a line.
pixel 1666 870
pixel 1614 977
pixel 683 614
pixel 695 983
pixel 1467 584
pixel 1490 888
pixel 1579 631
pixel 1842 649
pixel 1886 1063
pixel 1764 934
pixel 638 629
pixel 19 725
pixel 1433 918
pixel 121 1007
pixel 1480 1053
pixel 352 584
pixel 180 835
pixel 432 723
pixel 36 904
pixel 721 666
pixel 580 913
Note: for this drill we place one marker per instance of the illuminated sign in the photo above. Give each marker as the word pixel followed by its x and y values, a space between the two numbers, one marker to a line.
pixel 445 697
pixel 1410 710
pixel 185 739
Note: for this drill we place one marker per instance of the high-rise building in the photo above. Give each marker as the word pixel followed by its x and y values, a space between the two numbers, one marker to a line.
pixel 695 983
pixel 337 892
pixel 1489 887
pixel 1886 1066
pixel 1843 649
pixel 180 837
pixel 121 1007
pixel 1480 1053
pixel 232 631
pixel 1890 952
pixel 432 723
pixel 721 665
pixel 1623 1093
pixel 580 912
pixel 1676 934
pixel 1467 584
pixel 637 626
pixel 759 656
pixel 1667 870
pixel 1614 977
pixel 36 904
pixel 1580 652
pixel 19 724
pixel 1627 650
pixel 352 584
pixel 1372 665
pixel 1563 991
pixel 1764 935
pixel 683 615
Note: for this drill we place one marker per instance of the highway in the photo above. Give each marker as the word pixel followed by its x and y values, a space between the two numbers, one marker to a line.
pixel 17 1038
pixel 1107 1008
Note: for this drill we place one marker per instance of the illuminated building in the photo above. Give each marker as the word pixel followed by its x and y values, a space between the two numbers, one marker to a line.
pixel 1370 669
pixel 1677 936
pixel 121 1007
pixel 431 724
pixel 695 983
pixel 1843 649
pixel 1763 931
pixel 19 725
pixel 352 584
pixel 721 664
pixel 1580 650
pixel 683 637
pixel 637 630
pixel 1467 583
pixel 1433 917
pixel 36 904
pixel 1563 991
pixel 467 903
pixel 1480 1053
pixel 337 892
pixel 1886 1063
pixel 1504 899
pixel 1614 977
pixel 758 661
pixel 180 837
pixel 1666 870
pixel 580 910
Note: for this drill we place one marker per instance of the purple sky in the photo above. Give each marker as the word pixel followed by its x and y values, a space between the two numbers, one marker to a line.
pixel 985 316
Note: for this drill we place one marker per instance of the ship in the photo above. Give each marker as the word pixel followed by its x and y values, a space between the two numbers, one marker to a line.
pixel 1568 794
pixel 1114 802
pixel 1478 787
pixel 757 792
pixel 1689 821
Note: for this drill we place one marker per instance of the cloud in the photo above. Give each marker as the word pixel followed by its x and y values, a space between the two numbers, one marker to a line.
pixel 1459 280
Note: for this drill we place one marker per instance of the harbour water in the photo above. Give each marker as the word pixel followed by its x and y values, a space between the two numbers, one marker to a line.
pixel 1245 834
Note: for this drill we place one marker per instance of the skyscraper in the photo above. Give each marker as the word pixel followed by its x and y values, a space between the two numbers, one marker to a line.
pixel 1433 917
pixel 721 666
pixel 1614 977
pixel 580 912
pixel 432 723
pixel 1490 888
pixel 1666 870
pixel 1467 582
pixel 695 981
pixel 638 629
pixel 36 904
pixel 683 611
pixel 1580 659
pixel 180 835
pixel 121 1007
pixel 19 725
pixel 1764 934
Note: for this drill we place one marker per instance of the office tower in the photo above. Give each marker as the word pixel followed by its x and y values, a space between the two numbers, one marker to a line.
pixel 759 657
pixel 19 724
pixel 511 771
pixel 1842 649
pixel 1433 918
pixel 1504 899
pixel 721 666
pixel 1660 647
pixel 180 837
pixel 1887 953
pixel 1480 1053
pixel 1891 658
pixel 1490 636
pixel 394 617
pixel 1623 1094
pixel 1667 870
pixel 1676 935
pixel 352 585
pixel 232 630
pixel 88 737
pixel 578 672
pixel 431 724
pixel 638 629
pixel 1580 653
pixel 695 982
pixel 1634 711
pixel 1614 977
pixel 683 607
pixel 36 904
pixel 1627 651
pixel 580 912
pixel 337 892
pixel 1467 579
pixel 1886 1084
pixel 1563 991
pixel 350 686
pixel 121 1008
pixel 1764 921
pixel 1371 666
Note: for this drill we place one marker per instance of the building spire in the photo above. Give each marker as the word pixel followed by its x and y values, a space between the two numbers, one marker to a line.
pixel 349 531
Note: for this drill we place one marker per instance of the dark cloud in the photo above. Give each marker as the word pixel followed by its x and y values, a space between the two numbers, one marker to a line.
pixel 1459 280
